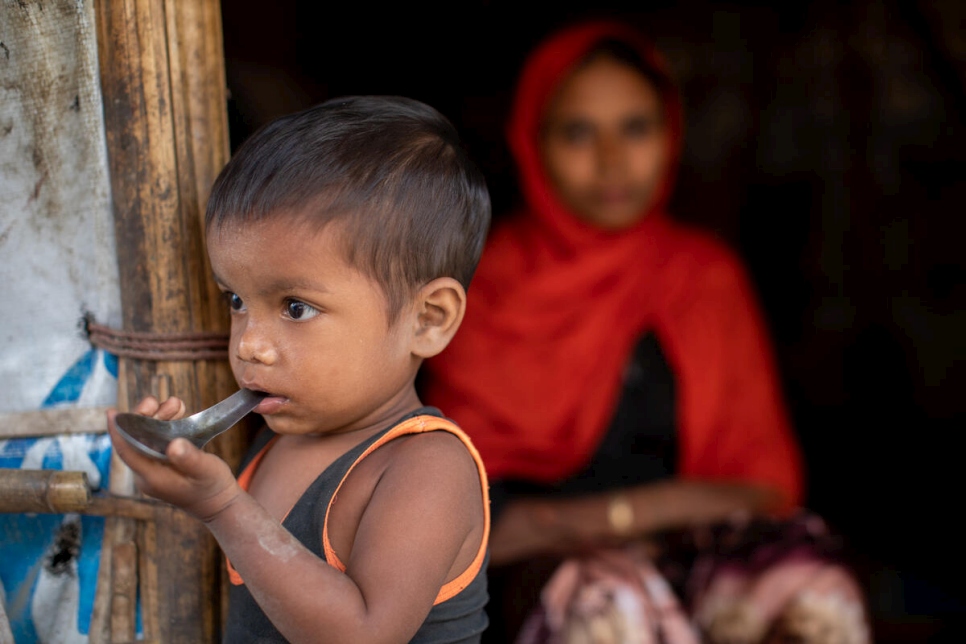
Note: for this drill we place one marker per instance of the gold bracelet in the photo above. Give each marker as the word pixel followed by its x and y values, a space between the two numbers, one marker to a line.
pixel 620 514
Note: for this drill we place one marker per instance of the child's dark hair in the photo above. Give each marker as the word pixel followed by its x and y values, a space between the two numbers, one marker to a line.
pixel 411 204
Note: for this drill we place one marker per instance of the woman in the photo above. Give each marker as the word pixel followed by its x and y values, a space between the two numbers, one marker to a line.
pixel 615 373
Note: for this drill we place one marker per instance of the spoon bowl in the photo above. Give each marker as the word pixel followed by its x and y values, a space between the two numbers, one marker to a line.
pixel 151 436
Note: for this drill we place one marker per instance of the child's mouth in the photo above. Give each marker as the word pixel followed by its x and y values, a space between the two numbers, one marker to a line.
pixel 270 404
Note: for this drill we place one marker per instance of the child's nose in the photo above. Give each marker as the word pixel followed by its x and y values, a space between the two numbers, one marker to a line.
pixel 255 344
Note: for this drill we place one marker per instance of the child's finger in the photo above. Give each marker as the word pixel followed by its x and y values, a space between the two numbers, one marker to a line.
pixel 185 457
pixel 171 409
pixel 147 407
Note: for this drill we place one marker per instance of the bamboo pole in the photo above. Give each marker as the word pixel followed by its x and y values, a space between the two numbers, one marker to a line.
pixel 163 83
pixel 118 531
pixel 62 491
pixel 43 491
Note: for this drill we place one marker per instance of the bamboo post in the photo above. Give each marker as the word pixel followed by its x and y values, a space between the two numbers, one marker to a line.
pixel 163 85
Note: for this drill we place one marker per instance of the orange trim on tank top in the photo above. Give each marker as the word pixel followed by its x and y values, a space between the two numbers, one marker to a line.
pixel 245 480
pixel 418 425
pixel 415 425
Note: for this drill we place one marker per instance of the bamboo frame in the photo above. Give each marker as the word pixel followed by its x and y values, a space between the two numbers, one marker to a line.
pixel 164 92
pixel 62 491
pixel 164 95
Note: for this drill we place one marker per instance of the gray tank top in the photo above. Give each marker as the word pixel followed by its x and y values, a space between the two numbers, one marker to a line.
pixel 456 619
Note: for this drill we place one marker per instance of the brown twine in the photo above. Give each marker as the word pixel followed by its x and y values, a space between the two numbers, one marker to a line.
pixel 145 345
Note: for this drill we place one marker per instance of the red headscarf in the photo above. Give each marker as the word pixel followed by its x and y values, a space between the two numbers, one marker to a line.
pixel 557 306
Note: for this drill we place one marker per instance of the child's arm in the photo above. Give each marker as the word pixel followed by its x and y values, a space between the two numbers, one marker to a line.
pixel 420 517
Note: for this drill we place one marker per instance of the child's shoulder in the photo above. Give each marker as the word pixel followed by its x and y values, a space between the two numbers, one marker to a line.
pixel 438 448
pixel 425 485
pixel 431 445
pixel 432 468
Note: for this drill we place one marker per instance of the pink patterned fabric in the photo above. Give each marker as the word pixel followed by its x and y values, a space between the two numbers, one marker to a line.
pixel 609 597
pixel 748 583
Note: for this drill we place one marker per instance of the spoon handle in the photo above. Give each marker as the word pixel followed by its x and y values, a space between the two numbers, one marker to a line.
pixel 220 417
pixel 152 436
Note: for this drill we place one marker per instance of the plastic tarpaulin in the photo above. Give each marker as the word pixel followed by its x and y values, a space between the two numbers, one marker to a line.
pixel 57 264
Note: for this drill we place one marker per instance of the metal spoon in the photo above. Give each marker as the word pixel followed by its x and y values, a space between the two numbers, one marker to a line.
pixel 151 436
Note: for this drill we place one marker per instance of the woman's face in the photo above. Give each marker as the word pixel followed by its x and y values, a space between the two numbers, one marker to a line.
pixel 604 143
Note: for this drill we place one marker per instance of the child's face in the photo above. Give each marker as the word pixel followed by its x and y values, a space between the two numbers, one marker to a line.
pixel 309 329
pixel 604 143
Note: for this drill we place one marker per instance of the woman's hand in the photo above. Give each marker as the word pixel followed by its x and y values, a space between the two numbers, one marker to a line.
pixel 532 526
pixel 198 482
pixel 521 531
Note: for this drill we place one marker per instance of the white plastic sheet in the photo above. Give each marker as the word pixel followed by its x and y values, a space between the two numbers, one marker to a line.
pixel 57 258
pixel 57 264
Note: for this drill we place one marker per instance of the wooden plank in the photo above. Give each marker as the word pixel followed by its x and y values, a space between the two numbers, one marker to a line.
pixel 118 506
pixel 148 575
pixel 179 548
pixel 124 597
pixel 50 422
pixel 117 531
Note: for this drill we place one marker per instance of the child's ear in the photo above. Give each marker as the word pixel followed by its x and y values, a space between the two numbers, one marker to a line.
pixel 440 305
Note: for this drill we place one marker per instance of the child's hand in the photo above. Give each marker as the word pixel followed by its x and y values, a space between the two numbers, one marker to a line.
pixel 198 482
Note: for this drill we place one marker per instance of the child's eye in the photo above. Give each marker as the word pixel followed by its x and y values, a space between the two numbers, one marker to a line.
pixel 234 302
pixel 298 310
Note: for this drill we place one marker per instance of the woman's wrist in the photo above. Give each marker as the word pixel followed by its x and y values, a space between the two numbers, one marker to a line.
pixel 621 519
pixel 587 520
